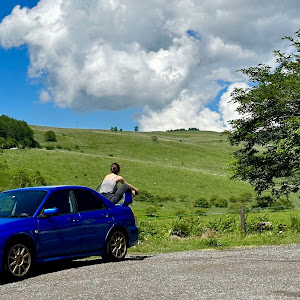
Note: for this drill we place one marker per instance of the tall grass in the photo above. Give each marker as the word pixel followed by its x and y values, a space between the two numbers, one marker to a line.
pixel 218 232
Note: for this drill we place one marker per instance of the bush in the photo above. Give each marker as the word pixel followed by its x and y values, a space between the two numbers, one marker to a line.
pixel 145 197
pixel 202 202
pixel 151 211
pixel 221 202
pixel 264 201
pixel 23 178
pixel 187 227
pixel 50 147
pixel 149 229
pixel 295 223
pixel 283 202
pixel 227 224
pixel 38 179
pixel 213 198
pixel 50 136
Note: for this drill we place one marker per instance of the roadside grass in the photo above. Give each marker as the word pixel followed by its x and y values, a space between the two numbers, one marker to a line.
pixel 219 242
pixel 218 232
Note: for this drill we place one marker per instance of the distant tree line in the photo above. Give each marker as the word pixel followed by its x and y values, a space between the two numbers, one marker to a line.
pixel 183 129
pixel 14 133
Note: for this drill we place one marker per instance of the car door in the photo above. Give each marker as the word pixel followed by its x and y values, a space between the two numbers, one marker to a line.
pixel 96 219
pixel 59 235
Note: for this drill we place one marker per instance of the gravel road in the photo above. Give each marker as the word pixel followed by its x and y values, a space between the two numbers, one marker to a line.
pixel 250 273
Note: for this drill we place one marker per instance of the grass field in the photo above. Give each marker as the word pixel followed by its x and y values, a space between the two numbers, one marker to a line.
pixel 174 168
pixel 180 166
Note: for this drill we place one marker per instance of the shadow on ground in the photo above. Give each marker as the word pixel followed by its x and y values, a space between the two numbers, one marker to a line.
pixel 56 266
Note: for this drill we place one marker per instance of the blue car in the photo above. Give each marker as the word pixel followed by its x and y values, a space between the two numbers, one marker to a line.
pixel 42 224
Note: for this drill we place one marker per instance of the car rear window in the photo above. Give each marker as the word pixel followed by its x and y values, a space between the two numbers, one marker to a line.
pixel 87 201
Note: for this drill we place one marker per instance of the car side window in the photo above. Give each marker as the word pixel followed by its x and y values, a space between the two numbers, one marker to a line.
pixel 63 200
pixel 86 200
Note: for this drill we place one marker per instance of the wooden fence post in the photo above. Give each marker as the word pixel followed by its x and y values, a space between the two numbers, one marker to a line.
pixel 243 219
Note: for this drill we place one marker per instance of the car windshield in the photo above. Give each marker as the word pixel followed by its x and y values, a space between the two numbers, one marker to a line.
pixel 20 203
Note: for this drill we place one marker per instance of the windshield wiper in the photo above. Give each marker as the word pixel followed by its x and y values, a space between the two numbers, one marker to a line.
pixel 22 215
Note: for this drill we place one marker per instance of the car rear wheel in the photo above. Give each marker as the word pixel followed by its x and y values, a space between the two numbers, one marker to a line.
pixel 18 261
pixel 116 246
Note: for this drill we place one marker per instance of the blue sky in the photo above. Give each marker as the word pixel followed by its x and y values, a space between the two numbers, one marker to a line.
pixel 19 95
pixel 157 65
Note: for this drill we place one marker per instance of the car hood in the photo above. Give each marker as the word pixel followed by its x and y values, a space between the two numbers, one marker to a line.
pixel 15 222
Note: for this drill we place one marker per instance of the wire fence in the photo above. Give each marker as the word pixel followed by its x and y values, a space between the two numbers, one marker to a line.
pixel 227 212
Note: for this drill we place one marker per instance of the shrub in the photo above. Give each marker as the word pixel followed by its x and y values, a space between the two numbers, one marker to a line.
pixel 213 198
pixel 264 201
pixel 221 202
pixel 2 143
pixel 149 229
pixel 283 202
pixel 187 227
pixel 227 224
pixel 11 143
pixel 151 211
pixel 295 223
pixel 212 242
pixel 38 179
pixel 50 136
pixel 202 202
pixel 145 197
pixel 246 197
pixel 23 178
pixel 50 147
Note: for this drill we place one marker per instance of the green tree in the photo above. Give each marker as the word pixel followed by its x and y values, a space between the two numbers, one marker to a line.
pixel 268 131
pixel 18 131
pixel 50 136
pixel 21 179
pixel 136 128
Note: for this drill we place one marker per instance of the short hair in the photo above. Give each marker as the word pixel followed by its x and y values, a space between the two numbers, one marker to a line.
pixel 115 168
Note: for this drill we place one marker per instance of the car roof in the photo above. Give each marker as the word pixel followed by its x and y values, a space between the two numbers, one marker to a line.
pixel 50 188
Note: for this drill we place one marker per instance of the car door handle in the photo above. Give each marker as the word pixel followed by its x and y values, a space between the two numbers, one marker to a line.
pixel 73 220
pixel 105 215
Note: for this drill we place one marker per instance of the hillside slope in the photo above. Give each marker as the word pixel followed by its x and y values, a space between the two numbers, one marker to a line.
pixel 179 165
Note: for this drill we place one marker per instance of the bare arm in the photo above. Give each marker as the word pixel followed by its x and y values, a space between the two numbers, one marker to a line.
pixel 121 179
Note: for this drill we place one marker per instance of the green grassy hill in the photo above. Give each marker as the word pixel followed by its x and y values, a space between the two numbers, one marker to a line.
pixel 180 166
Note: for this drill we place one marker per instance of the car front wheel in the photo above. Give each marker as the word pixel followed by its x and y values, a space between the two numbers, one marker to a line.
pixel 18 261
pixel 116 246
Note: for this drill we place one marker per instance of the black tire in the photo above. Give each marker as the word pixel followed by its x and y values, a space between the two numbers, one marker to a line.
pixel 116 246
pixel 18 261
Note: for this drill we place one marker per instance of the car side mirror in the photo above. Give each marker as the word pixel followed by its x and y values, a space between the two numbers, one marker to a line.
pixel 50 211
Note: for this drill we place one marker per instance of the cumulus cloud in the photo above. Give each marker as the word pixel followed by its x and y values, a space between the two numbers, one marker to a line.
pixel 227 108
pixel 171 57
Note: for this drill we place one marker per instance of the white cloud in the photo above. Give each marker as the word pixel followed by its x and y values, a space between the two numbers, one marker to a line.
pixel 227 108
pixel 184 112
pixel 44 96
pixel 116 54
